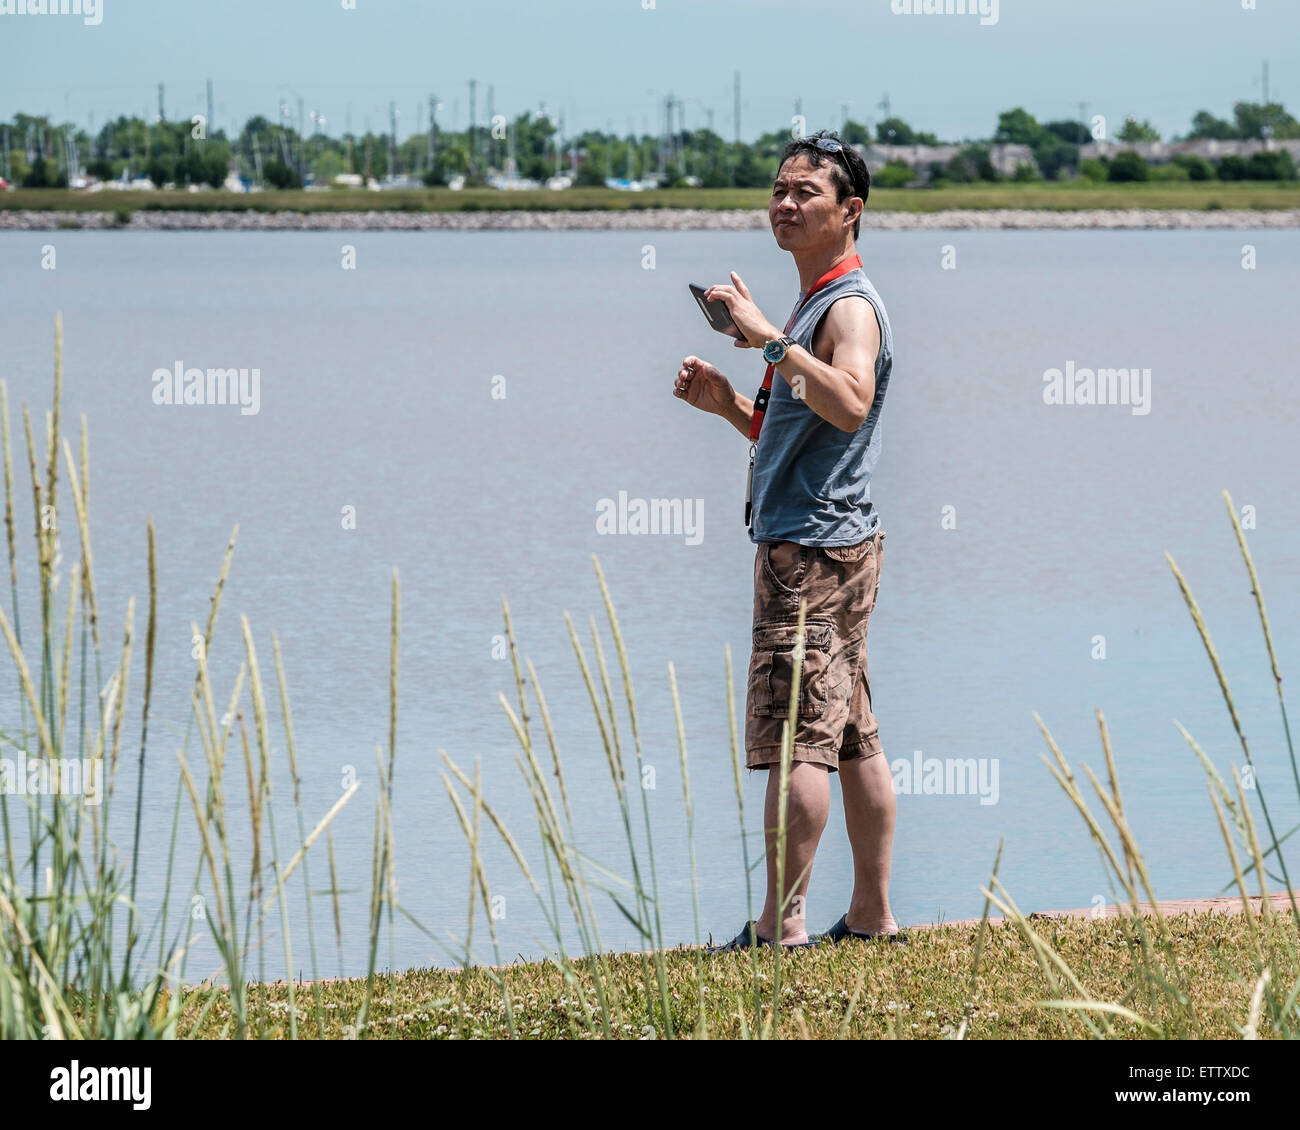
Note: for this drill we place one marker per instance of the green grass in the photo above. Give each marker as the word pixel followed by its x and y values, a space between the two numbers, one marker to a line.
pixel 1070 196
pixel 921 991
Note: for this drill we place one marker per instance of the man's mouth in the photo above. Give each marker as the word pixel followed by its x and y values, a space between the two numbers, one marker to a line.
pixel 785 223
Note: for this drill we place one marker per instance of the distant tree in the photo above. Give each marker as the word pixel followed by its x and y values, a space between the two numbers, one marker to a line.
pixel 217 162
pixel 589 175
pixel 716 177
pixel 1127 165
pixel 1055 156
pixel 751 172
pixel 1198 168
pixel 1206 125
pixel 1252 117
pixel 327 166
pixel 1272 164
pixel 896 174
pixel 1076 133
pixel 1095 170
pixel 436 177
pixel 160 171
pixel 38 176
pixel 1026 172
pixel 280 175
pixel 190 169
pixel 855 133
pixel 972 164
pixel 1231 167
pixel 895 131
pixel 206 163
pixel 1018 127
pixel 1132 130
pixel 18 166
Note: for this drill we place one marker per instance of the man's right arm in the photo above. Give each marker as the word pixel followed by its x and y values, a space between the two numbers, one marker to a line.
pixel 703 387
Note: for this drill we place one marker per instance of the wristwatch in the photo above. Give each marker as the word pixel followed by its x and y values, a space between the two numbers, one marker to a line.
pixel 774 351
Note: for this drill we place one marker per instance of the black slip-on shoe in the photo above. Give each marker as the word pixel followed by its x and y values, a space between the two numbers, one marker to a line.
pixel 840 932
pixel 748 936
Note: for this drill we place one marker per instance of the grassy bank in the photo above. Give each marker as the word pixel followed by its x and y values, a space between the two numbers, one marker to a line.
pixel 854 991
pixel 1074 196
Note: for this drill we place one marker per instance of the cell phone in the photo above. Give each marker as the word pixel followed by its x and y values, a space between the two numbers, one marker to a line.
pixel 715 312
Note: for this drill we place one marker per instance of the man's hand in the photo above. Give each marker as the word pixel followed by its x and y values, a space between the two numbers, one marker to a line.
pixel 748 317
pixel 703 387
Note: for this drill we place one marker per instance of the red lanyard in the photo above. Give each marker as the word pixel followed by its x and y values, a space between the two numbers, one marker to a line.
pixel 765 393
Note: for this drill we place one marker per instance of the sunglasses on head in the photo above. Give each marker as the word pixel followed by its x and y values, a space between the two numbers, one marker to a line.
pixel 834 145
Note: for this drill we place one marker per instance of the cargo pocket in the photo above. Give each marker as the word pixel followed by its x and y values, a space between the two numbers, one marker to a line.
pixel 772 668
pixel 785 574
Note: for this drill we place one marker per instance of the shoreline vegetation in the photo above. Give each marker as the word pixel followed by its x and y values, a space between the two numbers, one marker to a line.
pixel 82 957
pixel 1016 206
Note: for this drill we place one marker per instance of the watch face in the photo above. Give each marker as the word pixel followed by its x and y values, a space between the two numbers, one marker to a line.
pixel 774 352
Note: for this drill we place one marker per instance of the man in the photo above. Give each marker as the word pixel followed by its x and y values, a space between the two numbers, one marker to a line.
pixel 815 439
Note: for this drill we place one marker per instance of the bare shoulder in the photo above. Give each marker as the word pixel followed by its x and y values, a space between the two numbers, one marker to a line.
pixel 850 321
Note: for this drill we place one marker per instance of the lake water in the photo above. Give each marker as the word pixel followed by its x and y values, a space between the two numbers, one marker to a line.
pixel 473 397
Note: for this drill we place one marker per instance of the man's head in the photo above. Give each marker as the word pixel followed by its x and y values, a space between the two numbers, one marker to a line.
pixel 821 187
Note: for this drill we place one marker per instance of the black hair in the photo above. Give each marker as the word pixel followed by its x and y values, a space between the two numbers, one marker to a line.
pixel 849 171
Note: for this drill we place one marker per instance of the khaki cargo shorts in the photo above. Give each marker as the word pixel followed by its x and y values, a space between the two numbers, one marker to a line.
pixel 840 585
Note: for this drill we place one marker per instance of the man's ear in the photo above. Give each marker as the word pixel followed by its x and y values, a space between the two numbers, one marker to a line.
pixel 855 208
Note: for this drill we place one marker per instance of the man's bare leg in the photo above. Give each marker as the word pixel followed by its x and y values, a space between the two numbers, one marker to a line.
pixel 869 809
pixel 807 807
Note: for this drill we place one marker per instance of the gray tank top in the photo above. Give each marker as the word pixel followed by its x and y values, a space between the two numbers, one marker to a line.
pixel 812 481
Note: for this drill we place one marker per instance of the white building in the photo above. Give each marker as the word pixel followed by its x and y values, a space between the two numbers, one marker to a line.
pixel 1004 158
pixel 1160 152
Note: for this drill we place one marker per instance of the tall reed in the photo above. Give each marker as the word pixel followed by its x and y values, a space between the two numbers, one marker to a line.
pixel 73 930
pixel 1160 1002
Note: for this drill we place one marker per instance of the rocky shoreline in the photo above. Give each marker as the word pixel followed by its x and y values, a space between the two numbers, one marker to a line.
pixel 646 219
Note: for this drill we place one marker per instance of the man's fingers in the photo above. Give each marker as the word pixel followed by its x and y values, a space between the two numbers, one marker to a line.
pixel 740 285
pixel 684 376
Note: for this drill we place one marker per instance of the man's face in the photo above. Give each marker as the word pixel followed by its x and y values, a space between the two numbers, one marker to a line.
pixel 803 210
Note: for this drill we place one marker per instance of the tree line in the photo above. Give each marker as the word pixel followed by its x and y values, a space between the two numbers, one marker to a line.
pixel 37 153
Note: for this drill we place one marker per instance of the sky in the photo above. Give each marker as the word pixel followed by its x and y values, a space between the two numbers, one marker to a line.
pixel 609 64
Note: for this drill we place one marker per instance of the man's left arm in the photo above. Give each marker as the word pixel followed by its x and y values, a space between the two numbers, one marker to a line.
pixel 840 389
pixel 837 380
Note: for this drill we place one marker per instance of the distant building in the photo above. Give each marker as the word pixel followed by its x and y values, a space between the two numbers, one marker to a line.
pixel 1004 158
pixel 1161 152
